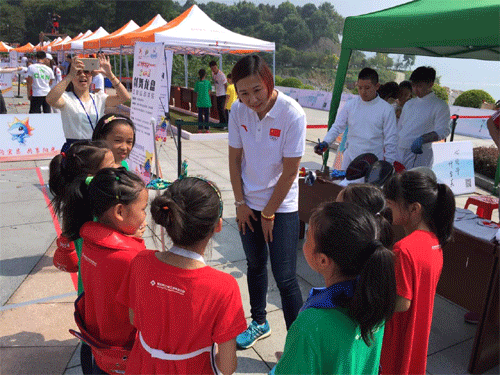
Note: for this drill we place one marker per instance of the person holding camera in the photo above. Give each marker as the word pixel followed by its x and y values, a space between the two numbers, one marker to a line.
pixel 80 109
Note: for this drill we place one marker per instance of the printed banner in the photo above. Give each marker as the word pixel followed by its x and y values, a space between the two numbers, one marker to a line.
pixel 454 166
pixel 150 89
pixel 6 85
pixel 314 99
pixel 13 59
pixel 30 136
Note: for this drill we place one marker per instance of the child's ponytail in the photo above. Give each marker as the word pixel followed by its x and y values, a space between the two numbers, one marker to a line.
pixel 91 197
pixel 347 234
pixel 375 294
pixel 444 213
pixel 82 158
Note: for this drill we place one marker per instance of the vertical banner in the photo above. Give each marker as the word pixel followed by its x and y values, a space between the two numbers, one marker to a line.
pixel 151 81
pixel 13 59
pixel 453 165
pixel 6 85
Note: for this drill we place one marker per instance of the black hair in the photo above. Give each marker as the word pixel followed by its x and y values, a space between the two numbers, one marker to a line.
pixel 106 124
pixel 368 73
pixel 82 158
pixel 372 199
pixel 405 85
pixel 202 73
pixel 40 55
pixel 212 63
pixel 388 90
pixel 189 210
pixel 87 198
pixel 437 200
pixel 347 234
pixel 253 65
pixel 425 74
pixel 229 75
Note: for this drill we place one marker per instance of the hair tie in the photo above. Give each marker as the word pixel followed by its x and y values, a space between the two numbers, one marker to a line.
pixel 88 180
pixel 63 154
pixel 165 208
pixel 114 117
pixel 373 245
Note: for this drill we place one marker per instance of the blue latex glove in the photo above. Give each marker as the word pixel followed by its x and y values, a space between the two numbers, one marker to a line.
pixel 416 146
pixel 320 148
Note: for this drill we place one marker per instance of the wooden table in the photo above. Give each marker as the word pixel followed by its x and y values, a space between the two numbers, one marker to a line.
pixel 470 276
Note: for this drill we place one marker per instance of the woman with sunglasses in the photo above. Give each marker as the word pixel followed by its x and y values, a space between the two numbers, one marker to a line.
pixel 80 110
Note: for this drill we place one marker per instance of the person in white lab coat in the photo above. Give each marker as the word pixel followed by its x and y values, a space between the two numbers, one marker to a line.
pixel 371 122
pixel 424 119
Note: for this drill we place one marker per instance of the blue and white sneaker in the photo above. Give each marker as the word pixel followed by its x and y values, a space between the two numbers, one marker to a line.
pixel 253 333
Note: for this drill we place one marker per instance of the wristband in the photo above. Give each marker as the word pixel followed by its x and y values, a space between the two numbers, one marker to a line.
pixel 239 203
pixel 269 218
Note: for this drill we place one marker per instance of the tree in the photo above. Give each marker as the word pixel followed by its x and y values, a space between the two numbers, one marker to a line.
pixel 284 10
pixel 440 92
pixel 308 10
pixel 358 60
pixel 380 61
pixel 321 26
pixel 297 33
pixel 292 82
pixel 12 25
pixel 473 99
pixel 408 61
pixel 271 32
pixel 285 56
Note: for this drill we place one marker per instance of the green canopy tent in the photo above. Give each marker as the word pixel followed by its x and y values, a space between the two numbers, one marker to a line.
pixel 468 29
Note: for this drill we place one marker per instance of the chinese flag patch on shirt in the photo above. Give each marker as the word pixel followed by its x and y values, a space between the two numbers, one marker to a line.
pixel 274 132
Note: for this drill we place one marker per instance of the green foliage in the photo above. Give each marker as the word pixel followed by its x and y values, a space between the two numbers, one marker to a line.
pixel 473 99
pixel 440 92
pixel 292 82
pixel 278 80
pixel 309 87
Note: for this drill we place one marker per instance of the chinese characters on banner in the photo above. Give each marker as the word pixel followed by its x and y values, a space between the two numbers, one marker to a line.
pixel 150 89
pixel 6 85
pixel 453 165
pixel 30 136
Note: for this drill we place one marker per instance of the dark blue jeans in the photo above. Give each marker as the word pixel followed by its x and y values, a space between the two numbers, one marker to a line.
pixel 203 117
pixel 283 255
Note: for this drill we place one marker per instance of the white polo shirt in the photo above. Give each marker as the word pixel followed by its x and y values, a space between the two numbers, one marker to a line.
pixel 280 134
pixel 219 81
pixel 42 75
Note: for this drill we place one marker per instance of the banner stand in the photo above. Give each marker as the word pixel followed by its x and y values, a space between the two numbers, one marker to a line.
pixel 18 86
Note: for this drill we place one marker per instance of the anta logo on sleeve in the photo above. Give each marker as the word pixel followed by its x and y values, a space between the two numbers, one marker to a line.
pixel 244 127
pixel 274 134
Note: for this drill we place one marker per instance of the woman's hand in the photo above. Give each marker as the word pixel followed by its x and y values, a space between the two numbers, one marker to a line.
pixel 76 65
pixel 104 66
pixel 267 229
pixel 244 217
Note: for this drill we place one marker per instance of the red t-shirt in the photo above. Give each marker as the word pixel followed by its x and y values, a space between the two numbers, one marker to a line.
pixel 179 311
pixel 496 118
pixel 106 256
pixel 419 260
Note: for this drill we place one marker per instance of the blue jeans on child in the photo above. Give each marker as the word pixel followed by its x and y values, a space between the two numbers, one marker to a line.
pixel 203 117
pixel 283 255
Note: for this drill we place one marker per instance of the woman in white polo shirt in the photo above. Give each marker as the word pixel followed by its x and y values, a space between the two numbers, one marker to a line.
pixel 81 110
pixel 266 143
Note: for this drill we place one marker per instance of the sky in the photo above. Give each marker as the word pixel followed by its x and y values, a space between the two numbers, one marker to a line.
pixel 459 74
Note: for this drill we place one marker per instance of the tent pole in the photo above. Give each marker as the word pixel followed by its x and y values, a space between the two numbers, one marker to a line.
pixel 220 62
pixel 185 71
pixel 274 66
pixel 345 55
pixel 121 63
pixel 126 67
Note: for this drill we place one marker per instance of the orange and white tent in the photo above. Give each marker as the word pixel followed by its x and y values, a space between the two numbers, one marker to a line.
pixel 106 41
pixel 78 37
pixel 129 39
pixel 78 44
pixel 193 32
pixel 26 48
pixel 50 44
pixel 4 47
pixel 61 41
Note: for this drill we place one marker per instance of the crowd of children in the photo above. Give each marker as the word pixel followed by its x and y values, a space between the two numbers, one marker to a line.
pixel 150 312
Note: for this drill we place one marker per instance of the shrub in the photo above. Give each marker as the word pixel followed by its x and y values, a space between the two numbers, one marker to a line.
pixel 485 161
pixel 278 80
pixel 309 87
pixel 292 82
pixel 440 92
pixel 473 99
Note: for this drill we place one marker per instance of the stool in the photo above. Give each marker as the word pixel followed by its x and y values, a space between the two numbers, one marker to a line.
pixel 485 205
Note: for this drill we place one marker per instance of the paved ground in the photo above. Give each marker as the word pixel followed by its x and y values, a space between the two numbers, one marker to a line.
pixel 36 299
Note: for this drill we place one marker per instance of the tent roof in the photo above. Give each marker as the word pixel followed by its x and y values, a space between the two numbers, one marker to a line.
pixel 61 41
pixel 78 44
pixel 439 28
pixel 128 39
pixel 193 32
pixel 105 41
pixel 78 37
pixel 4 47
pixel 26 48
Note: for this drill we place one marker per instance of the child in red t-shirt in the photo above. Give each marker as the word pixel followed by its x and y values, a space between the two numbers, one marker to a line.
pixel 183 309
pixel 426 210
pixel 106 211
